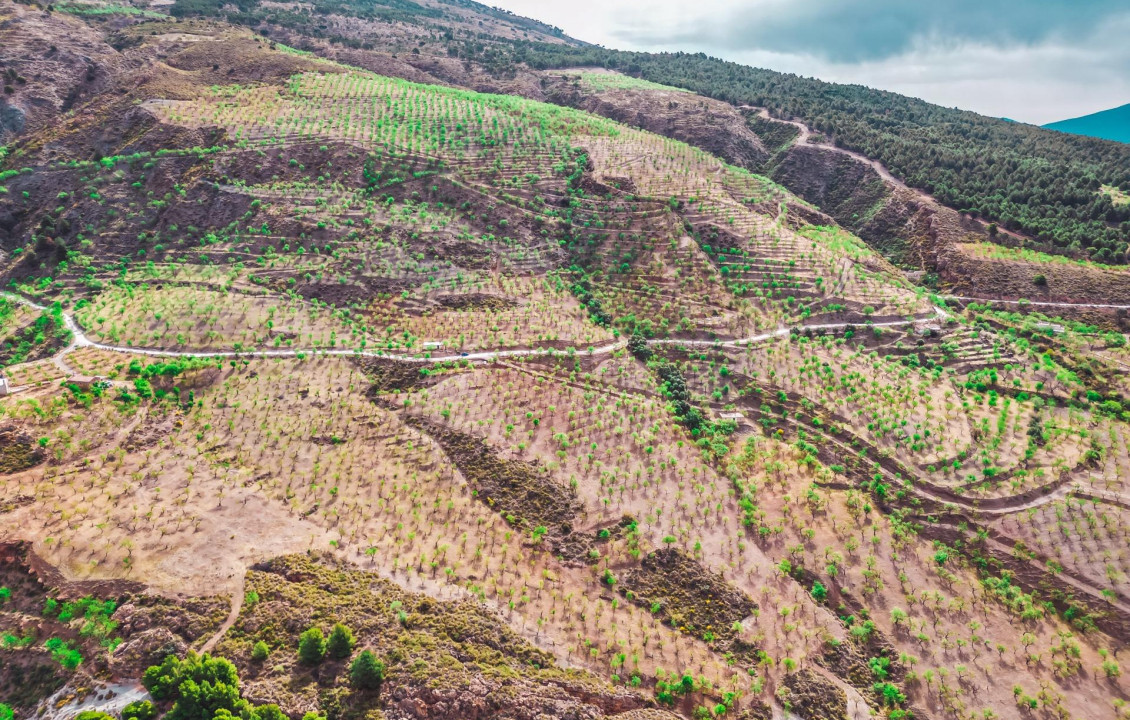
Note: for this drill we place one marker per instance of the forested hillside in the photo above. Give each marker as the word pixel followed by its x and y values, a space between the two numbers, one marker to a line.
pixel 446 17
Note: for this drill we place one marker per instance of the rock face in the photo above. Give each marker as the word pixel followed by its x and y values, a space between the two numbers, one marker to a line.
pixel 691 597
pixel 148 647
pixel 814 697
pixel 481 699
pixel 18 450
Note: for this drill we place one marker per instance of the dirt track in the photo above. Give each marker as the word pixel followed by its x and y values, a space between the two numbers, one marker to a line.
pixel 81 340
pixel 804 139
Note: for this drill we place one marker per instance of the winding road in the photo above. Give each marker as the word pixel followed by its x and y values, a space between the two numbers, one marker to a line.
pixel 81 340
pixel 804 139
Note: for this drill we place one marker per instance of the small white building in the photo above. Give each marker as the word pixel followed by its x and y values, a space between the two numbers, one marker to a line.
pixel 433 345
pixel 4 390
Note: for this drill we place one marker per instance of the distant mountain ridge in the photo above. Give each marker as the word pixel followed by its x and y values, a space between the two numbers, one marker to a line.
pixel 1113 124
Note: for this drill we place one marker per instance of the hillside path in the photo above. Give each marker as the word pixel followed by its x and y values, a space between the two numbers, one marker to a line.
pixel 804 139
pixel 81 340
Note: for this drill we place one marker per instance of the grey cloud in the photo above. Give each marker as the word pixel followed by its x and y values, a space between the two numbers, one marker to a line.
pixel 867 30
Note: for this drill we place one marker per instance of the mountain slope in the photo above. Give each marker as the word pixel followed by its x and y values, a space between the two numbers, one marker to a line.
pixel 1027 179
pixel 950 251
pixel 1113 124
pixel 559 416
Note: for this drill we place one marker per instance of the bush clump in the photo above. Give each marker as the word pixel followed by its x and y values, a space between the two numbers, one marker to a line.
pixel 202 686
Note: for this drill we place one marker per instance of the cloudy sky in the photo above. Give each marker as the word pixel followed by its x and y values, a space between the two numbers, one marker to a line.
pixel 1034 61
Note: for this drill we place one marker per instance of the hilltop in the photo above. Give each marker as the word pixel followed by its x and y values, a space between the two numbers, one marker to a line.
pixel 1113 124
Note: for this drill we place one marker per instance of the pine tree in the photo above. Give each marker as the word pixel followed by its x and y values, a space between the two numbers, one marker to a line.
pixel 312 646
pixel 340 644
pixel 366 672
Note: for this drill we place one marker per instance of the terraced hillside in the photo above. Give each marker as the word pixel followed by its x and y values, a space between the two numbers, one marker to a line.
pixel 395 399
pixel 945 248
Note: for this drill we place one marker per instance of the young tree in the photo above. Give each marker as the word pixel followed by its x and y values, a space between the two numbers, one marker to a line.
pixel 340 644
pixel 819 592
pixel 366 672
pixel 260 652
pixel 312 646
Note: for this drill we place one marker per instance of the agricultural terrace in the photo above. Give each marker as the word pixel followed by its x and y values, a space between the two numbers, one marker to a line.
pixel 947 408
pixel 297 456
pixel 394 114
pixel 992 251
pixel 603 81
pixel 145 315
pixel 723 513
pixel 643 269
pixel 154 491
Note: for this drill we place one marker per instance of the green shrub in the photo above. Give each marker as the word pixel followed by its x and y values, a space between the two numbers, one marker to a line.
pixel 367 672
pixel 312 646
pixel 819 592
pixel 63 653
pixel 200 687
pixel 880 667
pixel 340 644
pixel 270 712
pixel 260 652
pixel 637 346
pixel 889 694
pixel 139 710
